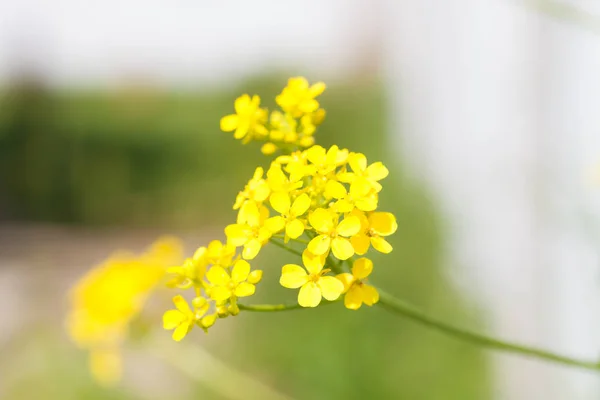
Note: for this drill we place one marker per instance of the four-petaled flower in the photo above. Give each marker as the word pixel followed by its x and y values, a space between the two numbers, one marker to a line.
pixel 298 97
pixel 332 235
pixel 182 319
pixel 362 174
pixel 374 228
pixel 313 285
pixel 248 121
pixel 290 212
pixel 357 291
pixel 239 284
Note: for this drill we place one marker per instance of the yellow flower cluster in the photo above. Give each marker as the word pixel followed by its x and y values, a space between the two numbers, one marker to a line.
pixel 291 127
pixel 218 278
pixel 107 298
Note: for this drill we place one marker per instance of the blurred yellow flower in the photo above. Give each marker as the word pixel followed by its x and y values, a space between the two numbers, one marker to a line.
pixel 248 121
pixel 298 97
pixel 107 298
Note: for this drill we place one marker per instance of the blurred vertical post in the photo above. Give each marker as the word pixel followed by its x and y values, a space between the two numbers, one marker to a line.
pixel 496 108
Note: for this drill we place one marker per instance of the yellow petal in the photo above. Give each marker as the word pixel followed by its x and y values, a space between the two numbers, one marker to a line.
pixel 251 249
pixel 309 295
pixel 182 305
pixel 242 103
pixel 241 130
pixel 218 276
pixel 275 224
pixel 346 279
pixel 335 190
pixel 308 106
pixel 360 187
pixel 249 214
pixel 316 154
pixel 245 289
pixel 383 223
pixel 316 89
pixel 313 263
pixel 331 288
pixel 350 226
pixel 261 191
pixel 172 319
pixel 240 271
pixel 353 299
pixel 280 202
pixel 219 293
pixel 293 276
pixel 367 203
pixel 381 245
pixel 180 332
pixel 229 123
pixel 321 220
pixel 377 171
pixel 362 268
pixel 320 244
pixel 342 248
pixel 294 229
pixel 255 276
pixel 370 295
pixel 300 206
pixel 361 243
pixel 358 162
pixel 268 148
pixel 237 234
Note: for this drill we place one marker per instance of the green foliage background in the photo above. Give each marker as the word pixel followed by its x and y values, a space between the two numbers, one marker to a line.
pixel 143 158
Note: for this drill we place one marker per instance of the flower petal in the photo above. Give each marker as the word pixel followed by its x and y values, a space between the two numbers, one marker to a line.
pixel 281 202
pixel 361 243
pixel 321 220
pixel 370 295
pixel 255 276
pixel 313 263
pixel 335 190
pixel 377 171
pixel 242 103
pixel 219 293
pixel 180 332
pixel 320 244
pixel 362 268
pixel 275 224
pixel 381 245
pixel 229 122
pixel 383 223
pixel 237 234
pixel 309 295
pixel 293 276
pixel 240 271
pixel 300 205
pixel 294 228
pixel 245 289
pixel 358 162
pixel 251 249
pixel 331 288
pixel 350 226
pixel 353 299
pixel 218 276
pixel 172 319
pixel 182 305
pixel 342 248
pixel 347 280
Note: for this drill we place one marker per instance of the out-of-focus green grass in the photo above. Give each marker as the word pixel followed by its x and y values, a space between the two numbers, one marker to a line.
pixel 141 158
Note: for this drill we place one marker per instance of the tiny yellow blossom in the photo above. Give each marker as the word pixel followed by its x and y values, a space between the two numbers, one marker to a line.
pixel 248 121
pixel 363 174
pixel 225 286
pixel 250 231
pixel 374 228
pixel 332 235
pixel 298 97
pixel 313 285
pixel 256 190
pixel 290 214
pixel 181 320
pixel 357 291
pixel 279 182
pixel 191 272
pixel 360 196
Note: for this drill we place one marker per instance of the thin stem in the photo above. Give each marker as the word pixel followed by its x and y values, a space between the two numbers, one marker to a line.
pixel 268 307
pixel 409 311
pixel 283 246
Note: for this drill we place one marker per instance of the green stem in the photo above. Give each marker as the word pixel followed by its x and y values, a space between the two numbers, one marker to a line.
pixel 283 246
pixel 411 312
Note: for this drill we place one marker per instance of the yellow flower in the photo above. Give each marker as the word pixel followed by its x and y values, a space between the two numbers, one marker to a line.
pixel 108 297
pixel 296 164
pixel 360 196
pixel 357 291
pixel 373 230
pixel 325 161
pixel 219 253
pixel 248 121
pixel 290 213
pixel 256 190
pixel 182 319
pixel 250 231
pixel 365 175
pixel 191 272
pixel 298 98
pixel 238 285
pixel 313 285
pixel 332 234
pixel 279 182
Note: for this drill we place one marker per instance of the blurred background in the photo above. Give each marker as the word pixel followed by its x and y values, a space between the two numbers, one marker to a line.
pixel 485 111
